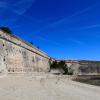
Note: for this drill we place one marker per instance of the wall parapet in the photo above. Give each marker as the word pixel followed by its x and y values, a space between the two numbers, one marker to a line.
pixel 18 56
pixel 17 41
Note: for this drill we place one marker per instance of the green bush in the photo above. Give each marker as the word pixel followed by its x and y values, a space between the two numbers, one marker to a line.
pixel 61 66
pixel 6 29
pixel 54 65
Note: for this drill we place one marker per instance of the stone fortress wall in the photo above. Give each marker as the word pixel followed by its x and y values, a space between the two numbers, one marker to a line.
pixel 84 67
pixel 18 56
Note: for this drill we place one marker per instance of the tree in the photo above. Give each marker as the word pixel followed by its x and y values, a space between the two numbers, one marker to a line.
pixel 6 29
pixel 54 65
pixel 70 71
pixel 63 66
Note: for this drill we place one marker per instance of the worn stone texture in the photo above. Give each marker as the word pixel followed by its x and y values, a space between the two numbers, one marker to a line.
pixel 19 56
pixel 83 67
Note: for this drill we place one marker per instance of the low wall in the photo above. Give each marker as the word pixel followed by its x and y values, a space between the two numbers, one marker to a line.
pixel 83 67
pixel 18 56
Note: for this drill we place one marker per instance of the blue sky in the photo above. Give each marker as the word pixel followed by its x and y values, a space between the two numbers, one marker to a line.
pixel 65 29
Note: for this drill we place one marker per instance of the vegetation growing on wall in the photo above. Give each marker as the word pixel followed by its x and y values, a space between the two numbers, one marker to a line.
pixel 6 29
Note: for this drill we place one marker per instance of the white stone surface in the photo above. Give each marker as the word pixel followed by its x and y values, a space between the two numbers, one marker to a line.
pixel 45 88
pixel 18 56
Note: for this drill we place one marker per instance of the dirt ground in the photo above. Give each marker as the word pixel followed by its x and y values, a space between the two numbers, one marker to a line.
pixel 45 88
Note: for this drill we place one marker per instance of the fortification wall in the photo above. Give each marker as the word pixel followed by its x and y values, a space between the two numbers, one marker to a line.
pixel 19 56
pixel 83 67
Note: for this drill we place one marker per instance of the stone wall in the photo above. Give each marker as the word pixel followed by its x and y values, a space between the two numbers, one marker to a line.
pixel 18 56
pixel 83 67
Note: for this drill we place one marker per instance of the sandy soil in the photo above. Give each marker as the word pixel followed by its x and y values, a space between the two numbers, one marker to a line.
pixel 45 88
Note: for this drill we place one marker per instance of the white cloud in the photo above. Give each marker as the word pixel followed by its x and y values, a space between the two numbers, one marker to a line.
pixel 77 41
pixel 51 41
pixel 16 9
pixel 21 6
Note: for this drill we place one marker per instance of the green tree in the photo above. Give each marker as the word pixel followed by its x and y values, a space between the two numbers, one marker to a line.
pixel 70 71
pixel 63 66
pixel 54 65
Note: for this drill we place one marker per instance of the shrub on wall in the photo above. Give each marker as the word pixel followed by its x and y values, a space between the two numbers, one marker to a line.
pixel 6 29
pixel 31 43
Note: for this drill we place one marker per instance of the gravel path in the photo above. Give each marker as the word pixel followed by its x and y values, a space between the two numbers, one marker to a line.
pixel 41 88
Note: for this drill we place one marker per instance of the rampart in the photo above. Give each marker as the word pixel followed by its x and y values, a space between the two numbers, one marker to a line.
pixel 19 56
pixel 84 67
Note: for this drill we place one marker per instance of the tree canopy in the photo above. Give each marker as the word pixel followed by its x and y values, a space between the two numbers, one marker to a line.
pixel 61 66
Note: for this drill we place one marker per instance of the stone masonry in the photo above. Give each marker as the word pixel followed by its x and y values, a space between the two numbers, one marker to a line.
pixel 84 67
pixel 18 56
